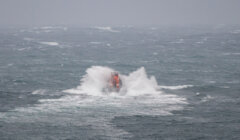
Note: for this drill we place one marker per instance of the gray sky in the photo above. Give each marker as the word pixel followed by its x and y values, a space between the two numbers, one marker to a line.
pixel 119 12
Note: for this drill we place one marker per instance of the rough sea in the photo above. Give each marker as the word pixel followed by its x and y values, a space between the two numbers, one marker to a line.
pixel 179 83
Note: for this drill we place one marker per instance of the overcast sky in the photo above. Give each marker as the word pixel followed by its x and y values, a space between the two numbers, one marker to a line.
pixel 119 12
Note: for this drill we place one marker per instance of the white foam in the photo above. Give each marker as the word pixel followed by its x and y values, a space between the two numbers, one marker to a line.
pixel 175 87
pixel 39 92
pixel 224 86
pixel 22 49
pixel 94 42
pixel 233 82
pixel 199 42
pixel 50 43
pixel 93 82
pixel 207 98
pixel 50 28
pixel 10 64
pixel 134 84
pixel 28 39
pixel 137 83
pixel 109 29
pixel 46 27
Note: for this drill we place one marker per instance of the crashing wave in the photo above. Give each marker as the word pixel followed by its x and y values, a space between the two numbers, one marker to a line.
pixel 96 79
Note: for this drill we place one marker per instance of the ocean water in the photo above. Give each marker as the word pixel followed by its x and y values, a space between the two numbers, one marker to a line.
pixel 178 83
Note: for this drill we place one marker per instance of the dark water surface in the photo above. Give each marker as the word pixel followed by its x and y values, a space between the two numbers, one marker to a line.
pixel 197 70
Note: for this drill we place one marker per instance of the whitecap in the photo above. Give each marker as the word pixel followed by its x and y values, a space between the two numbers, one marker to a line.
pixel 95 42
pixel 50 43
pixel 22 49
pixel 206 98
pixel 10 64
pixel 109 29
pixel 199 42
pixel 39 92
pixel 28 39
pixel 175 87
pixel 46 27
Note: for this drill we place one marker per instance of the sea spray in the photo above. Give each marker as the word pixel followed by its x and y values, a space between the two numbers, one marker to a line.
pixel 138 83
pixel 93 82
pixel 134 84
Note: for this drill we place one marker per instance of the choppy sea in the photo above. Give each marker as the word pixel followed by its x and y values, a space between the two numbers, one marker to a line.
pixel 178 83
